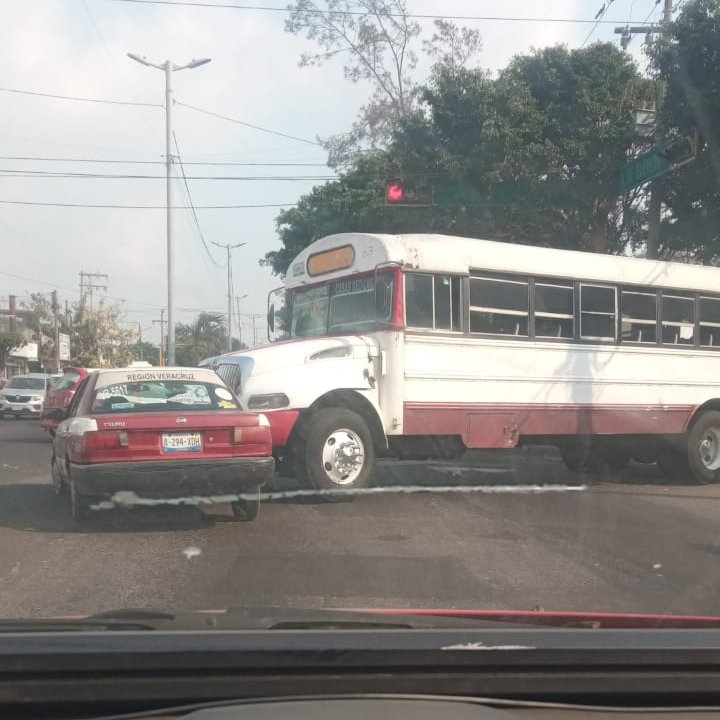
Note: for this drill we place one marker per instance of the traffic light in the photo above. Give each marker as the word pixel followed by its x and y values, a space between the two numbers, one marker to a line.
pixel 680 151
pixel 409 193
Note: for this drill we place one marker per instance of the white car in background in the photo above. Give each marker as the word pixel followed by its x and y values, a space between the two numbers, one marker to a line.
pixel 24 395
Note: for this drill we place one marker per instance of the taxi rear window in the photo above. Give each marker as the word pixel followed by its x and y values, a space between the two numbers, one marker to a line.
pixel 67 381
pixel 163 395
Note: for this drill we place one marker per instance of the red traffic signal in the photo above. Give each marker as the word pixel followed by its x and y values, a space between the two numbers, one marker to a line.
pixel 395 193
pixel 406 192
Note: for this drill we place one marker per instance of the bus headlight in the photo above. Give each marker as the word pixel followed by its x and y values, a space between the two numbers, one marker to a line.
pixel 272 401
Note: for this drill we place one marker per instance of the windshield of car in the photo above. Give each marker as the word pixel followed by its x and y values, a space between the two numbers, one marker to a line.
pixel 26 383
pixel 445 272
pixel 161 396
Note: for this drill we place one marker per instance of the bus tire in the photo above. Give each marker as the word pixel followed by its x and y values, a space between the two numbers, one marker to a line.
pixel 576 454
pixel 703 442
pixel 336 452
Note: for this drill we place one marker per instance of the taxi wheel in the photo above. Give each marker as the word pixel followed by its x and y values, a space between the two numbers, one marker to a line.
pixel 58 482
pixel 78 506
pixel 246 510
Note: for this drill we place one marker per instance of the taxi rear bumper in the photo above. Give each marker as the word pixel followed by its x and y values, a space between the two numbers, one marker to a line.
pixel 178 482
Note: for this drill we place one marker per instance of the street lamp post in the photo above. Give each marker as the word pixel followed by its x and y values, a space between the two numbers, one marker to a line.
pixel 168 67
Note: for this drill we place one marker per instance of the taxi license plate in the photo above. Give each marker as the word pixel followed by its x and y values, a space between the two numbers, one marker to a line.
pixel 182 442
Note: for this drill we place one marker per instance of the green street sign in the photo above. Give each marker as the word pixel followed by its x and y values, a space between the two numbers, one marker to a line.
pixel 454 193
pixel 644 168
pixel 462 193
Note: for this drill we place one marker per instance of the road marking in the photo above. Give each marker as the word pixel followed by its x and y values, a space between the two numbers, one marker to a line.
pixel 129 499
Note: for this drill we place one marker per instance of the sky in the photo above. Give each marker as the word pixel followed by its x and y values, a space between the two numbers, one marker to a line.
pixel 78 48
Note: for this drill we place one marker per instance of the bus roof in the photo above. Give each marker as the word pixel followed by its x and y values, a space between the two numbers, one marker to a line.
pixel 452 254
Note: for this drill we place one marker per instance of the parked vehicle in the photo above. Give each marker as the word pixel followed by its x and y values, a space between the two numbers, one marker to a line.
pixel 24 395
pixel 58 396
pixel 160 436
pixel 420 346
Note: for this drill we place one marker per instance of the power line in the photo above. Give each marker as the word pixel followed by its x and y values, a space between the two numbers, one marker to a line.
pixel 142 207
pixel 415 16
pixel 79 99
pixel 598 17
pixel 35 158
pixel 192 206
pixel 76 291
pixel 249 125
pixel 20 173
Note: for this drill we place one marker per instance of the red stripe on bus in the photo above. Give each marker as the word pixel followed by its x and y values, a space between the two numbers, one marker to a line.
pixel 491 425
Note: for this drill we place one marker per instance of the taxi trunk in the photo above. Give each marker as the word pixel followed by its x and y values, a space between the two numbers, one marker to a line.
pixel 169 436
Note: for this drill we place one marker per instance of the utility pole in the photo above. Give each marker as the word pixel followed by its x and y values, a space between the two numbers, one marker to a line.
pixel 140 345
pixel 168 67
pixel 88 285
pixel 655 203
pixel 161 322
pixel 238 298
pixel 228 247
pixel 56 329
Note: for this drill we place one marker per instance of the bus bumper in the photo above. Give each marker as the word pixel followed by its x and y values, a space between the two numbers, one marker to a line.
pixel 281 424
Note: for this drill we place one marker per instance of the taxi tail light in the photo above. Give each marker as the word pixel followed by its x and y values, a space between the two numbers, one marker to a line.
pixel 96 442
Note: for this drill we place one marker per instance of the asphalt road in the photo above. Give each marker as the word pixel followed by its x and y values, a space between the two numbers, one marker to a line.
pixel 625 543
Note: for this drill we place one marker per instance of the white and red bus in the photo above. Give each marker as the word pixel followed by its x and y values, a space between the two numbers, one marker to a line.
pixel 420 346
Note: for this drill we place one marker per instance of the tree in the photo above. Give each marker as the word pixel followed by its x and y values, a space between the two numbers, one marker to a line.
pixel 376 40
pixel 552 129
pixel 203 338
pixel 685 58
pixel 9 341
pixel 147 351
pixel 97 338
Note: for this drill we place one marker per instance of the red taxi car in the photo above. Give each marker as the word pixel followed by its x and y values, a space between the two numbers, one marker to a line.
pixel 160 436
pixel 58 397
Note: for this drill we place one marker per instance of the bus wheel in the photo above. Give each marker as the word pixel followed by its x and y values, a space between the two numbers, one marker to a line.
pixel 704 448
pixel 337 452
pixel 576 454
pixel 613 455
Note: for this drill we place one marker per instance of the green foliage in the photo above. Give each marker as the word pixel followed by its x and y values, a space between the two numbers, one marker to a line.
pixel 97 338
pixel 555 121
pixel 687 59
pixel 203 338
pixel 9 341
pixel 147 351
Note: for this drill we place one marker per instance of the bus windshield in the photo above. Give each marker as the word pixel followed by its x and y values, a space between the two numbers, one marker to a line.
pixel 355 304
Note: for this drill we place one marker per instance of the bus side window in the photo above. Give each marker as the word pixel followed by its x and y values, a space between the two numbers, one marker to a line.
pixel 639 316
pixel 678 320
pixel 448 308
pixel 709 321
pixel 419 300
pixel 598 308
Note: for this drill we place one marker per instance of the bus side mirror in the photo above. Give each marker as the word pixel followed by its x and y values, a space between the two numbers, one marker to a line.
pixel 271 318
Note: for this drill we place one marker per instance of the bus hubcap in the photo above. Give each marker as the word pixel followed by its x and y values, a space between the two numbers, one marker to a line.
pixel 343 457
pixel 710 449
